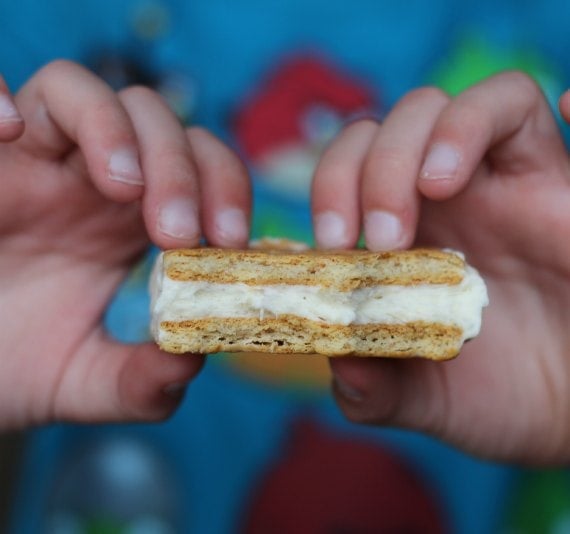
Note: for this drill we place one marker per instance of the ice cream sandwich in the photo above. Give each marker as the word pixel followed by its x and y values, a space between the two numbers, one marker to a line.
pixel 419 302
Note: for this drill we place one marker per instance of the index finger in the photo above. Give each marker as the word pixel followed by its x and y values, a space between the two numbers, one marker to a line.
pixel 67 106
pixel 505 121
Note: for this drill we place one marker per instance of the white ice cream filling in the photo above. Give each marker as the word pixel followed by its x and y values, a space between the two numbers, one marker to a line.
pixel 457 305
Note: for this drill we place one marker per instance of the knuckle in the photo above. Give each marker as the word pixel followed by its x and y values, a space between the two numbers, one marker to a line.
pixel 176 155
pixel 521 90
pixel 60 67
pixel 140 92
pixel 388 163
pixel 177 164
pixel 59 71
pixel 104 108
pixel 227 167
pixel 524 83
pixel 221 158
pixel 198 132
pixel 464 115
pixel 429 95
pixel 360 124
pixel 144 97
pixel 470 118
pixel 105 114
pixel 332 170
pixel 526 92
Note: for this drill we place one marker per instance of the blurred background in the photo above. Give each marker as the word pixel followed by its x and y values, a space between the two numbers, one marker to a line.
pixel 258 445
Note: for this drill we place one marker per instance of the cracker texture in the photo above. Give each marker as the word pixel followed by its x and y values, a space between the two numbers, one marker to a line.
pixel 342 270
pixel 291 334
pixel 294 335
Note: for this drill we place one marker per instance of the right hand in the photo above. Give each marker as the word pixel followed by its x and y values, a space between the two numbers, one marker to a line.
pixel 486 173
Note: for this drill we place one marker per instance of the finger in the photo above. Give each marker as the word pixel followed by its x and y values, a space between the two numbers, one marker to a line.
pixel 11 122
pixel 444 399
pixel 66 106
pixel 390 200
pixel 564 106
pixel 335 202
pixel 408 394
pixel 505 119
pixel 225 189
pixel 108 381
pixel 171 203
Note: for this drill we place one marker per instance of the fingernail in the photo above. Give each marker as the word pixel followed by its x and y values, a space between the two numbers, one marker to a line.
pixel 383 230
pixel 8 110
pixel 178 218
pixel 346 390
pixel 176 390
pixel 231 225
pixel 330 230
pixel 442 162
pixel 124 167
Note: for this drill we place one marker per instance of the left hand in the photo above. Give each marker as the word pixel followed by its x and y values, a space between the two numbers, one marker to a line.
pixel 94 179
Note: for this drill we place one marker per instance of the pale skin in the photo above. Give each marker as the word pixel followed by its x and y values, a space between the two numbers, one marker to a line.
pixel 488 174
pixel 89 179
pixel 73 220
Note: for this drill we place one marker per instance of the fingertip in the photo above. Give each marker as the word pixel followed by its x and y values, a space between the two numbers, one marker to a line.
pixel 11 121
pixel 440 175
pixel 441 189
pixel 177 224
pixel 442 162
pixel 116 171
pixel 226 194
pixel 348 379
pixel 92 118
pixel 124 166
pixel 335 200
pixel 332 231
pixel 384 231
pixel 366 389
pixel 153 383
pixel 11 130
pixel 231 228
pixel 123 179
pixel 171 194
pixel 108 381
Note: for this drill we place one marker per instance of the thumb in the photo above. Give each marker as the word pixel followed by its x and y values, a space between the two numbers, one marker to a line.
pixel 109 381
pixel 402 393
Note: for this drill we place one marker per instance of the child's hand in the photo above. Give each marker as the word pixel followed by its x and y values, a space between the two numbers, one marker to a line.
pixel 488 174
pixel 91 170
pixel 11 122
